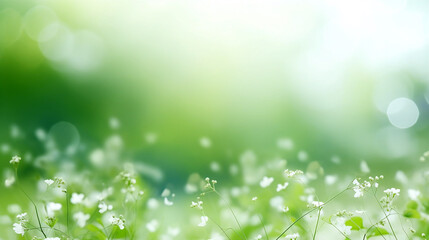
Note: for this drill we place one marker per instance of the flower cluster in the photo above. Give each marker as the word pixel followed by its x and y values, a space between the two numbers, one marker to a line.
pixel 20 226
pixel 15 160
pixel 291 173
pixel 118 221
pixel 360 187
pixel 387 201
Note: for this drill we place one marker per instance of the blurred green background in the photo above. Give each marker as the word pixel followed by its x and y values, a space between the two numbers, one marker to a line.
pixel 276 77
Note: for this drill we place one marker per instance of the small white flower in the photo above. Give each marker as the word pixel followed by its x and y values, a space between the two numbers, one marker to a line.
pixel 9 181
pixel 266 181
pixel 52 207
pixel 254 198
pixel 49 182
pixel 198 204
pixel 203 222
pixel 167 202
pixel 81 219
pixel 316 204
pixel 22 217
pixel 358 193
pixel 77 198
pixel 104 207
pixel 282 186
pixel 15 160
pixel 285 209
pixel 152 226
pixel 290 173
pixel 118 221
pixel 18 228
pixel 292 236
pixel 392 191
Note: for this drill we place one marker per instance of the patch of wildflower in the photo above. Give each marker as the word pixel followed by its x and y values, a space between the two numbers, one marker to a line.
pixel 316 204
pixel 49 182
pixel 292 236
pixel 266 181
pixel 103 207
pixel 204 220
pixel 118 221
pixel 57 182
pixel 210 184
pixel 20 226
pixel 15 160
pixel 129 182
pixel 292 173
pixel 198 204
pixel 387 201
pixel 359 186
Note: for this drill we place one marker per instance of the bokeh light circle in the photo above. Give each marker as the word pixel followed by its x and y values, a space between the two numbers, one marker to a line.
pixel 36 19
pixel 65 137
pixel 403 112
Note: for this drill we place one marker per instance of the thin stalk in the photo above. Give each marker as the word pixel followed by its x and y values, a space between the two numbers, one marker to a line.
pixel 317 223
pixel 230 209
pixel 308 212
pixel 263 225
pixel 67 209
pixel 35 207
pixel 390 225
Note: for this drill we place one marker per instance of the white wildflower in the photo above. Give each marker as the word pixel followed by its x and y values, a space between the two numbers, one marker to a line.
pixel 15 160
pixel 103 207
pixel 290 173
pixel 52 207
pixel 81 218
pixel 392 192
pixel 77 198
pixel 292 236
pixel 168 202
pixel 118 221
pixel 203 222
pixel 152 226
pixel 266 181
pixel 282 186
pixel 316 204
pixel 198 204
pixel 49 182
pixel 9 181
pixel 19 228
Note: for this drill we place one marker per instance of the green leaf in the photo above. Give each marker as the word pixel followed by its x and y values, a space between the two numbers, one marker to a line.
pixel 425 203
pixel 411 213
pixel 377 231
pixel 355 222
pixel 412 204
pixel 98 233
